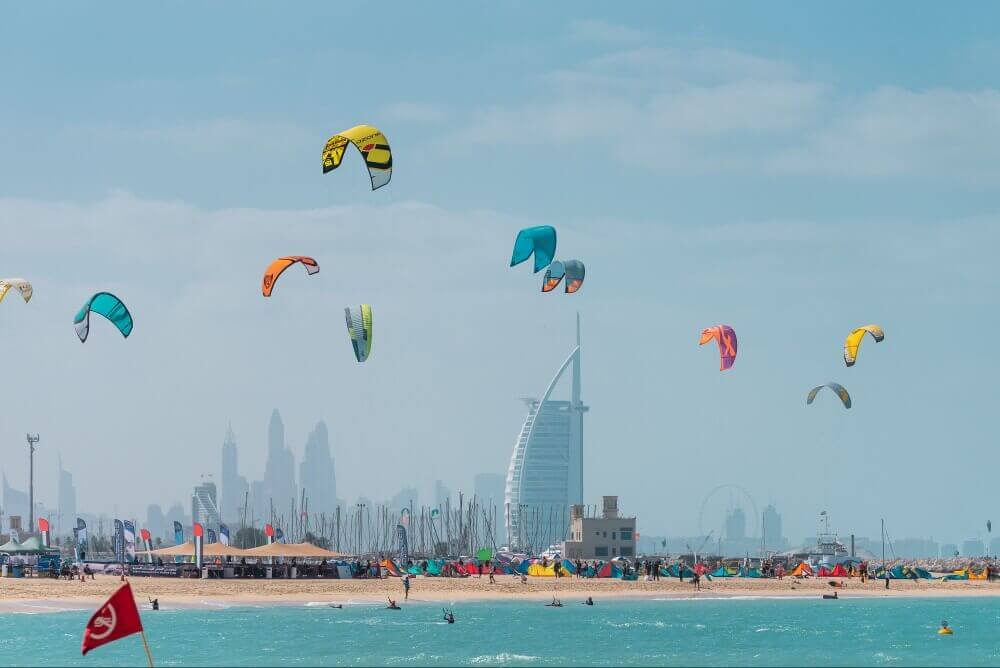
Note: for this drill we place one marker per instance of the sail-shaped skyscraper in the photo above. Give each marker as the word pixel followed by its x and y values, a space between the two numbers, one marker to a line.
pixel 545 476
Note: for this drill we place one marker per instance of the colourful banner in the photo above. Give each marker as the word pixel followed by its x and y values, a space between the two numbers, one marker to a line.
pixel 129 534
pixel 224 534
pixel 119 541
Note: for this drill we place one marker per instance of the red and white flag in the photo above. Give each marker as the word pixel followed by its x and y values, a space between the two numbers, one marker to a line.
pixel 116 619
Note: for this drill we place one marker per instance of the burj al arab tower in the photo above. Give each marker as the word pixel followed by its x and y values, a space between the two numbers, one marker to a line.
pixel 545 476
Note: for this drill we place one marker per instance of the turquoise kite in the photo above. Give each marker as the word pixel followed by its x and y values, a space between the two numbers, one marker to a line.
pixel 107 305
pixel 540 241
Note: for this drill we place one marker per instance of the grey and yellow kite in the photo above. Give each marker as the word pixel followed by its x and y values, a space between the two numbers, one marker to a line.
pixel 374 148
pixel 853 341
pixel 359 328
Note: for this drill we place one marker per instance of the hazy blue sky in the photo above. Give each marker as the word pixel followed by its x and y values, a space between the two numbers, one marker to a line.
pixel 791 169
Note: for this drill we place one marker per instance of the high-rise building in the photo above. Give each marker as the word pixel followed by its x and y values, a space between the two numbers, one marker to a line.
pixel 403 498
pixel 489 491
pixel 234 486
pixel 204 505
pixel 441 494
pixel 13 503
pixel 66 511
pixel 317 475
pixel 774 538
pixel 545 476
pixel 736 525
pixel 278 487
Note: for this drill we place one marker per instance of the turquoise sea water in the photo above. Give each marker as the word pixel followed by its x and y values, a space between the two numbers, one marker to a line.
pixel 769 632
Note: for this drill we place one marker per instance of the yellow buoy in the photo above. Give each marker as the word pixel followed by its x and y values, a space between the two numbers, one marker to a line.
pixel 945 632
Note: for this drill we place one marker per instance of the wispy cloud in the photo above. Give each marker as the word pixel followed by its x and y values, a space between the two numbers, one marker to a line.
pixel 724 110
pixel 598 30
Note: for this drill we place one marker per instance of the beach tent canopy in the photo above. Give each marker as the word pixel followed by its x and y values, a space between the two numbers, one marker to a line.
pixel 839 572
pixel 299 550
pixel 34 545
pixel 210 550
pixel 11 547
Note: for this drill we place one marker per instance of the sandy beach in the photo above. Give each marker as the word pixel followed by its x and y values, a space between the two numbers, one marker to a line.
pixel 40 595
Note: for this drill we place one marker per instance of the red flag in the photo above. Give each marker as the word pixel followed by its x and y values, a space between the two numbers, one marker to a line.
pixel 198 530
pixel 268 530
pixel 117 618
pixel 144 534
pixel 43 524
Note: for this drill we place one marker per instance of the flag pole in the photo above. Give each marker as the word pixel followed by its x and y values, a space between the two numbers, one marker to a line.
pixel 145 644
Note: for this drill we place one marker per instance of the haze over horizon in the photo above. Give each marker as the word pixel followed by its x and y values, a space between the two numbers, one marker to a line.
pixel 718 164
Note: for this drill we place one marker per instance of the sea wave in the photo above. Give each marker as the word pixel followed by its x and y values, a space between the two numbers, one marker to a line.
pixel 502 659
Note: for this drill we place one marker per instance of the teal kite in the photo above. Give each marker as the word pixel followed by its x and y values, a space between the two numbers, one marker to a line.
pixel 107 305
pixel 540 241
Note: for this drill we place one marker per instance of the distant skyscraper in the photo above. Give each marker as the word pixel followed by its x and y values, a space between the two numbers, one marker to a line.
pixel 317 475
pixel 441 494
pixel 156 522
pixel 14 504
pixel 489 491
pixel 66 512
pixel 403 498
pixel 773 537
pixel 545 476
pixel 736 525
pixel 279 473
pixel 204 506
pixel 234 486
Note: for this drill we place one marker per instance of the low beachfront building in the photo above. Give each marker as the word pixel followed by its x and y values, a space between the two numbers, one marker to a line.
pixel 604 537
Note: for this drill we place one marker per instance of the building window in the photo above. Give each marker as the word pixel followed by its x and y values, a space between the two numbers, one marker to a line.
pixel 601 551
pixel 626 534
pixel 614 536
pixel 605 534
pixel 626 551
pixel 614 550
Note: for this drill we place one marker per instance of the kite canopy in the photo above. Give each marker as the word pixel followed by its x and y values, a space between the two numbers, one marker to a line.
pixel 853 341
pixel 553 276
pixel 573 270
pixel 726 337
pixel 540 241
pixel 836 387
pixel 374 149
pixel 359 328
pixel 107 305
pixel 278 266
pixel 23 286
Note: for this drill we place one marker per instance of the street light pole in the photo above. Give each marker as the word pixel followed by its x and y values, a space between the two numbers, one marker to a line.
pixel 32 440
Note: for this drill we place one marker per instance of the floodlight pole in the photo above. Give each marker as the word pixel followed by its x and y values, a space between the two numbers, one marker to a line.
pixel 32 440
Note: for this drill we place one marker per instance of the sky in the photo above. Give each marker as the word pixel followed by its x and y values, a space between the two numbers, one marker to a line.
pixel 790 169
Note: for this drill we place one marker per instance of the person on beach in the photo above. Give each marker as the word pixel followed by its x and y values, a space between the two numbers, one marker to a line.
pixel 493 580
pixel 696 581
pixel 406 587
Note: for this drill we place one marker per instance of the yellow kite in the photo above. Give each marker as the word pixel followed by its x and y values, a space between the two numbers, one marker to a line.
pixel 374 149
pixel 854 341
